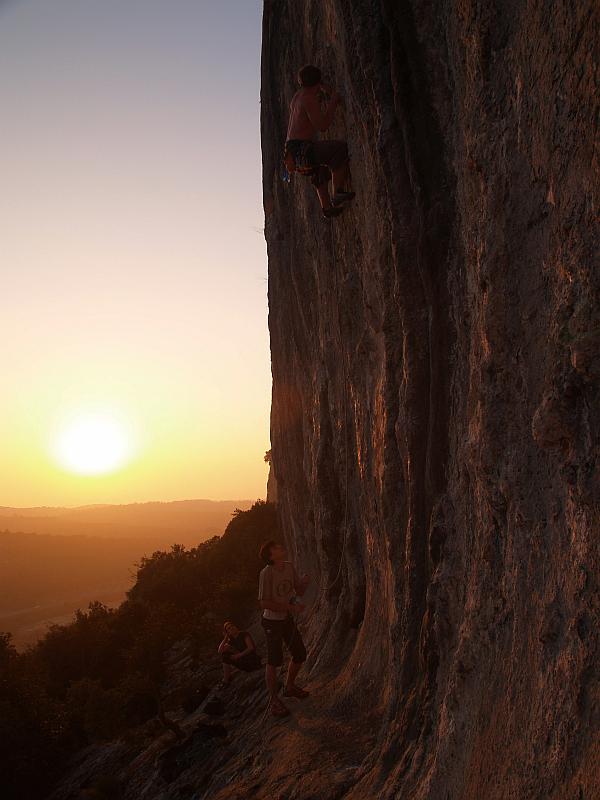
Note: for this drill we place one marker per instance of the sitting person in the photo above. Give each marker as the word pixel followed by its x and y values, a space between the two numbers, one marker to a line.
pixel 322 161
pixel 237 650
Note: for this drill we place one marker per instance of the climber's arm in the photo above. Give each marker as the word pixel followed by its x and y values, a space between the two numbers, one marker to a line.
pixel 300 583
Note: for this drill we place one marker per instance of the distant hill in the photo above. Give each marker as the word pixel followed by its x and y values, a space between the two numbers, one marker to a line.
pixel 192 520
pixel 55 560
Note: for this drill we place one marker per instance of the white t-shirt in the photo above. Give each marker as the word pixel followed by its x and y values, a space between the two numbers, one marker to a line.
pixel 278 585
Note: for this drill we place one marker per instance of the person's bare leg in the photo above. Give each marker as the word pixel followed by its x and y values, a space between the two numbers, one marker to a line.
pixel 292 673
pixel 324 199
pixel 227 670
pixel 340 176
pixel 271 678
pixel 273 685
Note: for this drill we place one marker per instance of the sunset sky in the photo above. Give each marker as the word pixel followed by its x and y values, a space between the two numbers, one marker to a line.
pixel 132 256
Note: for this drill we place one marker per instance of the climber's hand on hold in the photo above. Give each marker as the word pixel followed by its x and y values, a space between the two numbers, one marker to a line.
pixel 300 584
pixel 331 94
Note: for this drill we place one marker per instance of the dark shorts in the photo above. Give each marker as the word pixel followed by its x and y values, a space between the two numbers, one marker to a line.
pixel 278 631
pixel 325 156
pixel 247 663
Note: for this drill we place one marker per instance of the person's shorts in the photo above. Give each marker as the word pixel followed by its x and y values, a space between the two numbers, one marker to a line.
pixel 325 156
pixel 247 663
pixel 278 631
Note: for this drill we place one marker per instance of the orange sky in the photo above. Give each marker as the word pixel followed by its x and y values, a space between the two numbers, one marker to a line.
pixel 133 261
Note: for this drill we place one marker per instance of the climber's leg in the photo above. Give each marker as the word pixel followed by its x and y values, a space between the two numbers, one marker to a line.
pixel 292 674
pixel 320 180
pixel 273 633
pixel 293 640
pixel 333 157
pixel 271 680
pixel 328 208
pixel 340 176
pixel 323 193
pixel 227 670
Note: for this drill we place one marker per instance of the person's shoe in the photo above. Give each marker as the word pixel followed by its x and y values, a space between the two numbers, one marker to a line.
pixel 295 691
pixel 279 710
pixel 334 211
pixel 339 198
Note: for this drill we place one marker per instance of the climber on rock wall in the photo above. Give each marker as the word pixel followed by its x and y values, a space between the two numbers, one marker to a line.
pixel 322 161
pixel 278 592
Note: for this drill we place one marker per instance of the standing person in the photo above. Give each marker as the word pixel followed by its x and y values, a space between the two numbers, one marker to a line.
pixel 237 650
pixel 278 592
pixel 321 160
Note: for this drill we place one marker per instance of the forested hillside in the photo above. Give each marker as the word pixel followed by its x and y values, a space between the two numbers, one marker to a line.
pixel 102 676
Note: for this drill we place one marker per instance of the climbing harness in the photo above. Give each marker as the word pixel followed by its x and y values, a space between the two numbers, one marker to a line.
pixel 297 157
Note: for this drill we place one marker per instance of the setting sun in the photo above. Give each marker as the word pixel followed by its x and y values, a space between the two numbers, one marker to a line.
pixel 92 444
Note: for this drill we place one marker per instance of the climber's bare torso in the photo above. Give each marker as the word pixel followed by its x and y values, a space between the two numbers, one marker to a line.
pixel 306 117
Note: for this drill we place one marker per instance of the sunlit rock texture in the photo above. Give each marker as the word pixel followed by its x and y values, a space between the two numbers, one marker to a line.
pixel 436 369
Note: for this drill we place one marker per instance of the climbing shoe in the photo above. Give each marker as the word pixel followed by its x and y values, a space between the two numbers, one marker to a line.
pixel 339 198
pixel 334 211
pixel 279 710
pixel 295 691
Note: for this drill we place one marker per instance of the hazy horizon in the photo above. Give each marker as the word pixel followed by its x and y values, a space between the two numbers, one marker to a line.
pixel 54 560
pixel 134 264
pixel 133 502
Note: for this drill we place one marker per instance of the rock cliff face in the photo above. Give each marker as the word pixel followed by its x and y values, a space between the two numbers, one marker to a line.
pixel 436 374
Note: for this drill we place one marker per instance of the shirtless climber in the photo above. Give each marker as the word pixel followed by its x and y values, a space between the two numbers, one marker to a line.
pixel 278 591
pixel 321 160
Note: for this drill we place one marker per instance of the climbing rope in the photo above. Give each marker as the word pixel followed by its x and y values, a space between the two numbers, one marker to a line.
pixel 347 492
pixel 345 389
pixel 345 361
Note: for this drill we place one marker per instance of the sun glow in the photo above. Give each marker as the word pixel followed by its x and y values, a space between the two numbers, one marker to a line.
pixel 93 443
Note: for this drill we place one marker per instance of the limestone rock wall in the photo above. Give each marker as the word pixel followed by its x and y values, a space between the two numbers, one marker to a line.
pixel 436 373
